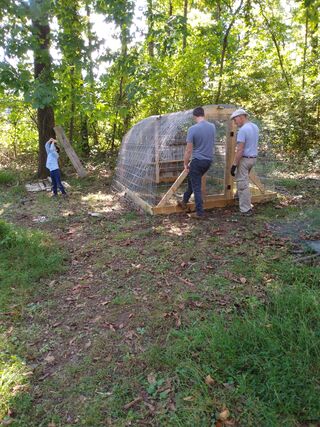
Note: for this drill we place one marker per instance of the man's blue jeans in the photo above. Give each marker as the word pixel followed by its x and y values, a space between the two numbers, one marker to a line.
pixel 56 182
pixel 196 171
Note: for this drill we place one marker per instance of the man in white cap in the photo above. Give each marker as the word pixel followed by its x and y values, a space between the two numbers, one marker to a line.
pixel 245 157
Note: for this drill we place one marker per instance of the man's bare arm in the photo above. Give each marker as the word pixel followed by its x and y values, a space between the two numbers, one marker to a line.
pixel 239 153
pixel 187 155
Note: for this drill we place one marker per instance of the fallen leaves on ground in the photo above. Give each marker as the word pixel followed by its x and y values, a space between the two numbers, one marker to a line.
pixel 209 380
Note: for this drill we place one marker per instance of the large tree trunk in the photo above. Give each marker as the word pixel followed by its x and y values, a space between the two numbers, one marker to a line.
pixel 45 131
pixel 42 68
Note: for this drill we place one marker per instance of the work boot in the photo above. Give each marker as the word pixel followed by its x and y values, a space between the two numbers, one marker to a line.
pixel 195 215
pixel 248 213
pixel 182 204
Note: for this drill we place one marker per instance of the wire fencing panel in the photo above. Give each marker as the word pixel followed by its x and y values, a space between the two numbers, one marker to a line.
pixel 151 156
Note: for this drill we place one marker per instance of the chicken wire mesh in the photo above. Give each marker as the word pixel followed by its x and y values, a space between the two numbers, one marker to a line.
pixel 151 156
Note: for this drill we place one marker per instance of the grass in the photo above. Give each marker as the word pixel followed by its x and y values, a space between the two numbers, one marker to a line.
pixel 265 363
pixel 25 257
pixel 7 177
pixel 156 297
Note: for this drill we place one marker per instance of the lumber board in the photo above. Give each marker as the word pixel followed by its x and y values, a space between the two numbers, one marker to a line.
pixel 163 162
pixel 173 188
pixel 157 154
pixel 218 201
pixel 70 151
pixel 256 181
pixel 230 151
pixel 134 197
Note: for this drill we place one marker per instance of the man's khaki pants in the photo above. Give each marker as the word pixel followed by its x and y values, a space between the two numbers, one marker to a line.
pixel 242 178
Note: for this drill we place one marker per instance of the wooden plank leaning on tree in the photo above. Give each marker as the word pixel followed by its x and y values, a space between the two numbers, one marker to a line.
pixel 70 151
pixel 173 188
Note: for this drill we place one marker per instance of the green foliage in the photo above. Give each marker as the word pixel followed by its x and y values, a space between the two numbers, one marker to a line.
pixel 262 57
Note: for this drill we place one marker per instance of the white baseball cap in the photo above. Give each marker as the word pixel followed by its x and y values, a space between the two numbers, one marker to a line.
pixel 237 113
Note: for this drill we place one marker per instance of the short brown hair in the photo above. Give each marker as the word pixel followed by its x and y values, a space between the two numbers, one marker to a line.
pixel 198 112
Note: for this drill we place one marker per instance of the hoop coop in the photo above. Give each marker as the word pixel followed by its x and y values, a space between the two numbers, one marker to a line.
pixel 150 166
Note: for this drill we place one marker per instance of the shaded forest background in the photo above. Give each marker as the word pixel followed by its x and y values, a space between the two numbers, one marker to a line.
pixel 56 69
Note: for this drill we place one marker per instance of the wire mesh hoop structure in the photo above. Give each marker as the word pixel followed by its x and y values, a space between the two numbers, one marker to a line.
pixel 150 165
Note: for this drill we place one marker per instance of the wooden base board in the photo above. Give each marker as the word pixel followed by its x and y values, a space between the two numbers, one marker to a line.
pixel 212 202
pixel 135 198
pixel 217 201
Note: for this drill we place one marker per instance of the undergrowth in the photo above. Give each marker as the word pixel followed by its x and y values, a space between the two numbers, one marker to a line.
pixel 7 177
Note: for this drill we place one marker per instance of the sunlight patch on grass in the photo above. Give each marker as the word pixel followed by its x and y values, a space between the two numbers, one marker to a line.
pixel 102 202
pixel 98 197
pixel 13 379
pixel 176 230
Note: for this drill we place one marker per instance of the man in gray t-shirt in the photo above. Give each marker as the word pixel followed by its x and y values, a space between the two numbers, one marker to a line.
pixel 245 157
pixel 200 145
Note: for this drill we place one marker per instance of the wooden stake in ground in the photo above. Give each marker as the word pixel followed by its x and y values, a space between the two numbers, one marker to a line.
pixel 70 151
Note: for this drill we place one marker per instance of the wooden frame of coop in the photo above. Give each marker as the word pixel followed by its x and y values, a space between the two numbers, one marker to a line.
pixel 227 198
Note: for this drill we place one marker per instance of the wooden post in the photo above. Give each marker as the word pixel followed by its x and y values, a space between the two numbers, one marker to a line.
pixel 173 188
pixel 70 151
pixel 156 154
pixel 230 151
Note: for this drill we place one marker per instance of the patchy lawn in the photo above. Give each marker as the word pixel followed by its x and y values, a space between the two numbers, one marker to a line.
pixel 161 321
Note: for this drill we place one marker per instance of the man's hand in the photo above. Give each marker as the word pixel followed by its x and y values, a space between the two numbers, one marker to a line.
pixel 233 170
pixel 187 168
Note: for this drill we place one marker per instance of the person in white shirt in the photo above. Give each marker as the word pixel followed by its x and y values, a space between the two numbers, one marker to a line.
pixel 245 157
pixel 52 164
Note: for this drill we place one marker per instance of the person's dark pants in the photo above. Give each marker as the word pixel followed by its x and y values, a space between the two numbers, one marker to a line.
pixel 196 171
pixel 56 182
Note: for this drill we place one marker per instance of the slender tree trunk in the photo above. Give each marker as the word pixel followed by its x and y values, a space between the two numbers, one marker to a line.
pixel 185 25
pixel 72 106
pixel 90 71
pixel 276 44
pixel 314 30
pixel 122 98
pixel 305 47
pixel 224 51
pixel 15 151
pixel 42 68
pixel 84 135
pixel 150 21
pixel 114 132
